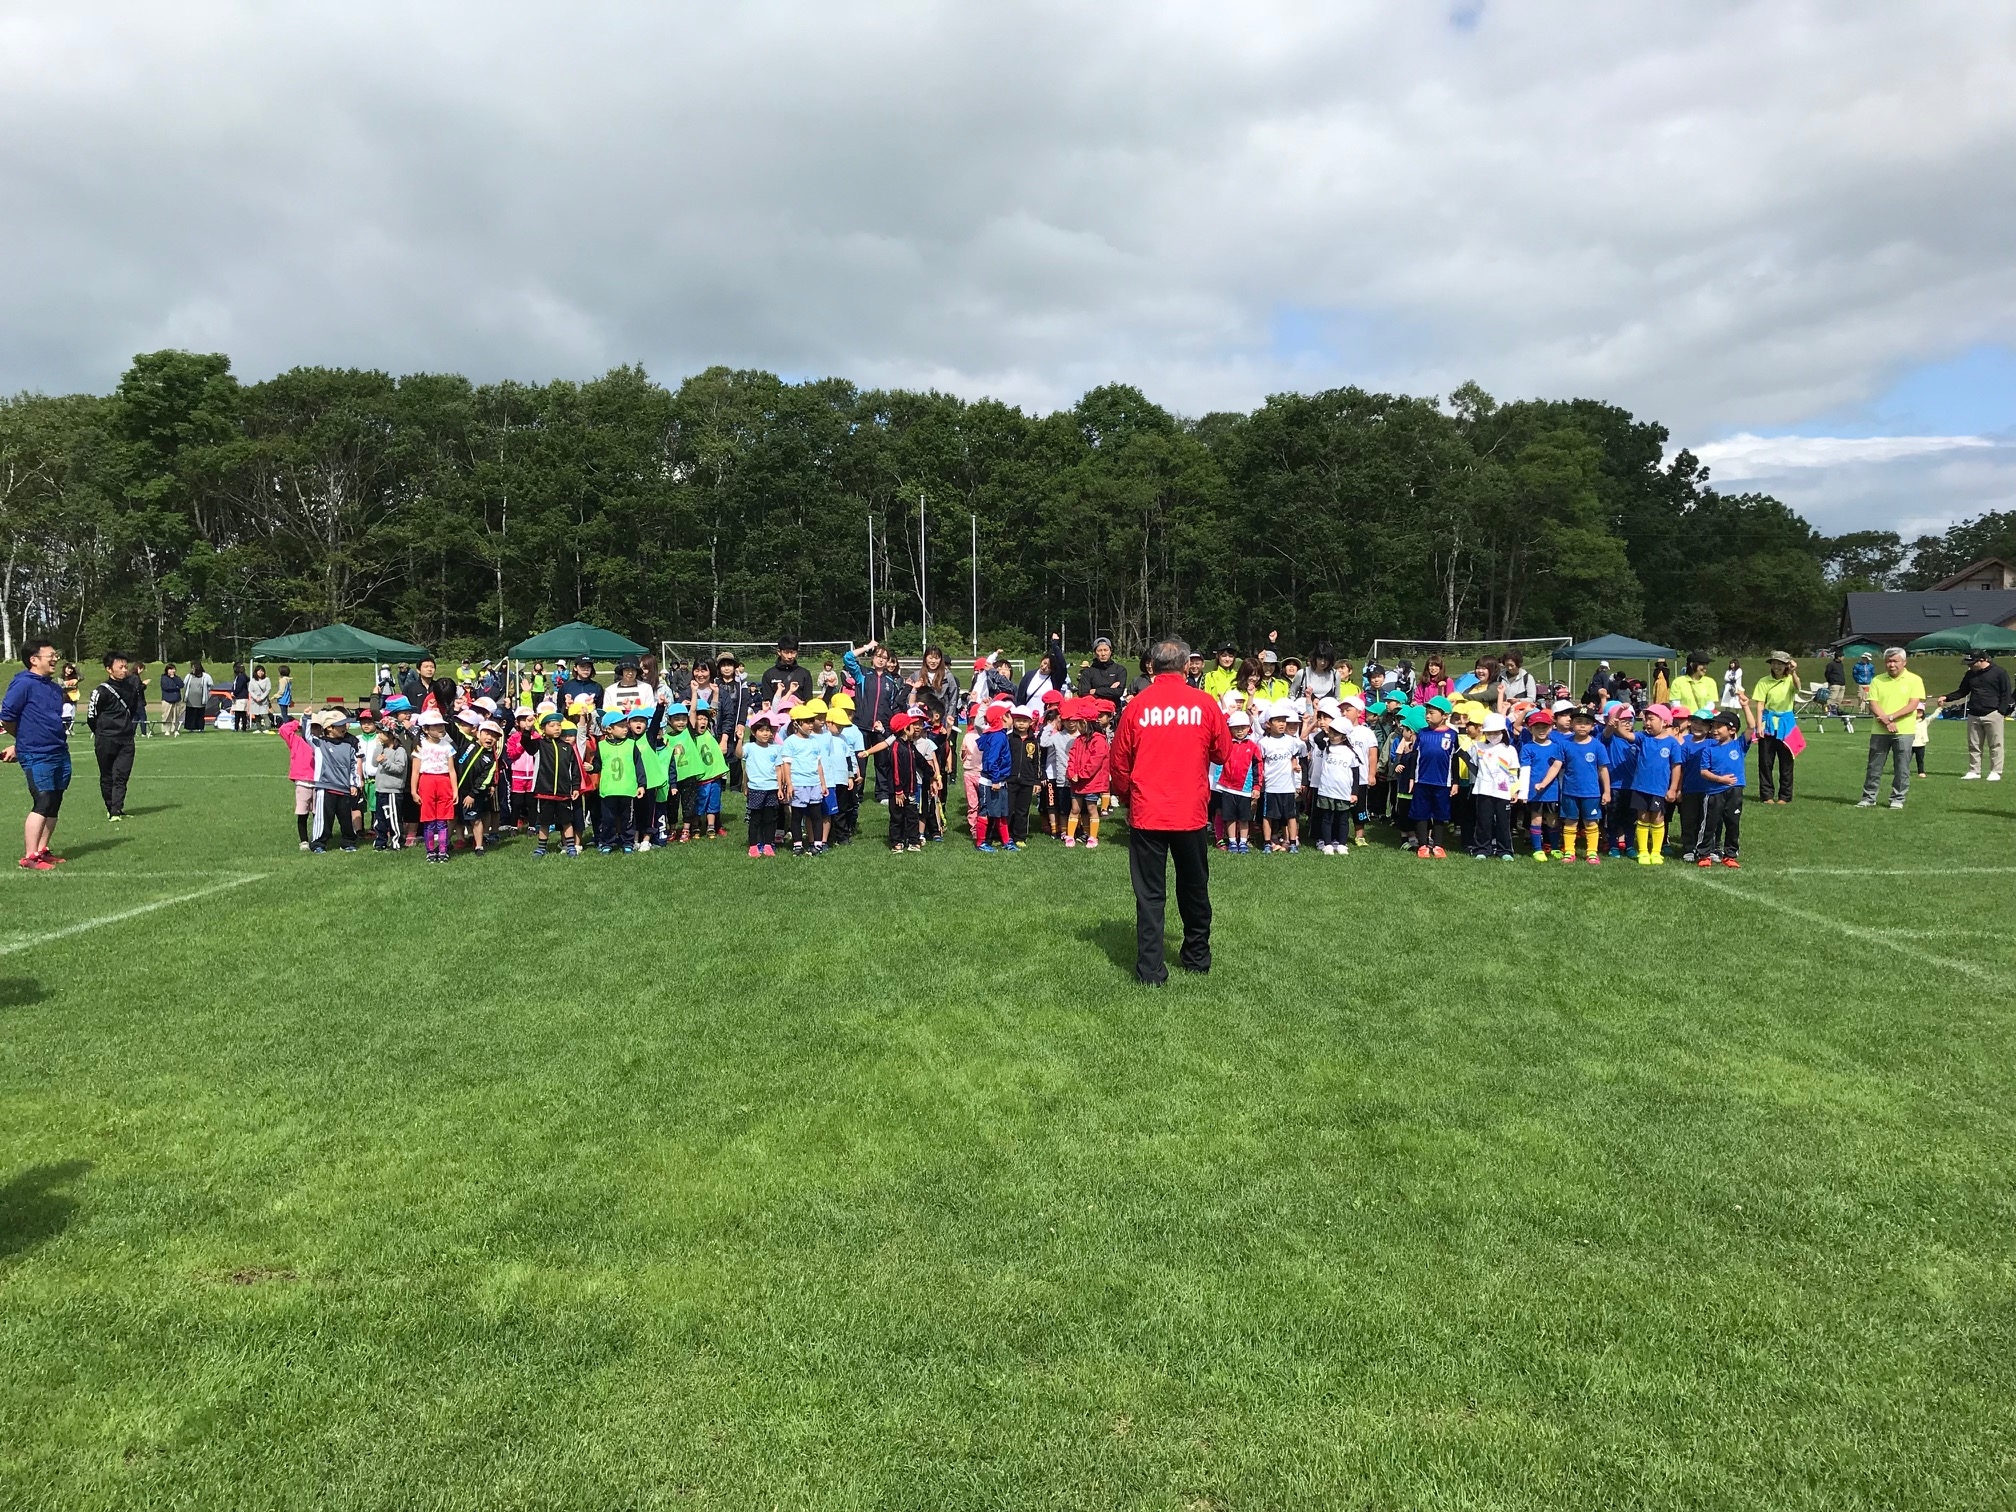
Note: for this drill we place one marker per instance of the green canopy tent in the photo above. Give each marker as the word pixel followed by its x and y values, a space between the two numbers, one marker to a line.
pixel 1993 639
pixel 1613 648
pixel 336 643
pixel 565 642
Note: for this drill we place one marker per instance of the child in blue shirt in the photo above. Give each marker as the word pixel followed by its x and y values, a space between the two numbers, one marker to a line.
pixel 1655 783
pixel 1722 771
pixel 806 757
pixel 1694 788
pixel 761 757
pixel 1541 759
pixel 1585 787
pixel 1622 745
pixel 1434 780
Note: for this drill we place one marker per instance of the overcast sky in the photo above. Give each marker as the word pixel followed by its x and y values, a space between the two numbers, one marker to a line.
pixel 1782 229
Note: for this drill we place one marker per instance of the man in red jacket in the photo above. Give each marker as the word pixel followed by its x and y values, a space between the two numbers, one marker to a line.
pixel 1161 766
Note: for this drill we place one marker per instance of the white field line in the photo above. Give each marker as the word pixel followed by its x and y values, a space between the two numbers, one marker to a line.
pixel 29 942
pixel 1896 871
pixel 1886 938
pixel 72 873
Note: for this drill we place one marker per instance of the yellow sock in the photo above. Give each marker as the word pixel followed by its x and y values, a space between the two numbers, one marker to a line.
pixel 1658 838
pixel 1092 825
pixel 1644 832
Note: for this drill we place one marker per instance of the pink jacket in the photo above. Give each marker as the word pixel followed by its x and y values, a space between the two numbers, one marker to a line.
pixel 300 754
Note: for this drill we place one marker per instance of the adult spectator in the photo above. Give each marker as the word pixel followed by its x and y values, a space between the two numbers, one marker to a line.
pixel 1161 762
pixel 1771 704
pixel 1103 677
pixel 171 701
pixel 1193 670
pixel 630 692
pixel 1836 678
pixel 241 698
pixel 1896 696
pixel 1984 691
pixel 1695 689
pixel 579 684
pixel 1601 682
pixel 195 697
pixel 1733 696
pixel 1515 683
pixel 1222 678
pixel 880 694
pixel 417 683
pixel 939 681
pixel 785 677
pixel 117 705
pixel 32 712
pixel 1864 674
pixel 1051 673
pixel 259 690
pixel 1142 679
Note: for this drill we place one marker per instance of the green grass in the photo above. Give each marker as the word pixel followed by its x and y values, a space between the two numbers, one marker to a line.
pixel 681 1180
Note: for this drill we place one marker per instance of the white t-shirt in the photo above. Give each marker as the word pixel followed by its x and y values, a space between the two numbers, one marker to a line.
pixel 1365 742
pixel 1496 765
pixel 1333 771
pixel 629 700
pixel 1279 751
pixel 436 757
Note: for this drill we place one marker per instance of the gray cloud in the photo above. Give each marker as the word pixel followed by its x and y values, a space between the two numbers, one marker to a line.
pixel 1722 215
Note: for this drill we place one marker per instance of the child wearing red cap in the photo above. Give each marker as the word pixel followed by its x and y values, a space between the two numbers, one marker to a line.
pixel 1089 768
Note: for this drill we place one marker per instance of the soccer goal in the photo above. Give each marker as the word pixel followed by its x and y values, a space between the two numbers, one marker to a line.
pixel 1460 656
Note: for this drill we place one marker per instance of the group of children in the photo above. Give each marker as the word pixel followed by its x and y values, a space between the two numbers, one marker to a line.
pixel 613 779
pixel 1580 782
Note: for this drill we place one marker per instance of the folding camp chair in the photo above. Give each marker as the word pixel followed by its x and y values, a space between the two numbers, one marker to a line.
pixel 1812 703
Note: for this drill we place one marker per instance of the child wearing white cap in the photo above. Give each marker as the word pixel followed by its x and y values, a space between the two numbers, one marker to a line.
pixel 1334 770
pixel 1494 767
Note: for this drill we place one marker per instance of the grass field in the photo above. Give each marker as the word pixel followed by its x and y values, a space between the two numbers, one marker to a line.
pixel 684 1181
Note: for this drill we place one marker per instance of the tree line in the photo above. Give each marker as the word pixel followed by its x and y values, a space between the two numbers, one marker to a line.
pixel 190 513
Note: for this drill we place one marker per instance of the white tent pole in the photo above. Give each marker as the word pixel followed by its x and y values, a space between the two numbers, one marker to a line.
pixel 923 579
pixel 871 576
pixel 974 520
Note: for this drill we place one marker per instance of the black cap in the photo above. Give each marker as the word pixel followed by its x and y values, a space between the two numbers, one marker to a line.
pixel 1727 717
pixel 585 661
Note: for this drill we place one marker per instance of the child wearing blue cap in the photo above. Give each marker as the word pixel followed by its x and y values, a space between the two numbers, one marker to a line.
pixel 622 781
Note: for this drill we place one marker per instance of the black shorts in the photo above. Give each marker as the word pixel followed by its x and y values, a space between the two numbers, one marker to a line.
pixel 553 813
pixel 1652 805
pixel 1280 806
pixel 1233 808
pixel 1550 810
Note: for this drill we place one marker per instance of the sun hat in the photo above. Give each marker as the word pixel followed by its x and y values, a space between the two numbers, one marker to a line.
pixel 1702 714
pixel 1561 704
pixel 1415 717
pixel 487 705
pixel 580 704
pixel 1269 656
pixel 1493 722
pixel 398 704
pixel 550 715
pixel 1331 707
pixel 997 716
pixel 674 709
pixel 431 718
pixel 1352 701
pixel 1539 717
pixel 1779 656
pixel 1238 717
pixel 492 726
pixel 1439 702
pixel 1052 696
pixel 812 708
pixel 469 717
pixel 614 717
pixel 1024 711
pixel 840 701
pixel 898 723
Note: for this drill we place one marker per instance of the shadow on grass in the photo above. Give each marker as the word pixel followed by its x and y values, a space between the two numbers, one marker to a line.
pixel 1114 939
pixel 91 846
pixel 19 992
pixel 33 1207
pixel 1986 813
pixel 155 808
pixel 1843 801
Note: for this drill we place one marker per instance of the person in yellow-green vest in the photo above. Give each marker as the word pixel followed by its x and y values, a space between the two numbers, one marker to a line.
pixel 622 781
pixel 1696 690
pixel 655 750
pixel 711 776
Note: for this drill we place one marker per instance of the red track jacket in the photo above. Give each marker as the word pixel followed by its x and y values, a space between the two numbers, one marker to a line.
pixel 1162 754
